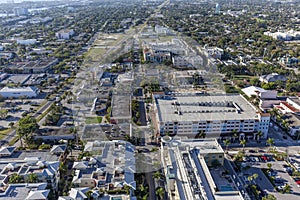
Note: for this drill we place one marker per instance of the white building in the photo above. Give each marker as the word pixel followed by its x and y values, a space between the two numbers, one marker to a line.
pixel 64 34
pixel 217 116
pixel 29 92
pixel 20 11
pixel 187 61
pixel 289 35
pixel 214 52
pixel 186 168
pixel 260 92
pixel 26 42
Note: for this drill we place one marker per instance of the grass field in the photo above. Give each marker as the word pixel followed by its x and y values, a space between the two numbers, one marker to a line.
pixel 93 120
pixel 4 132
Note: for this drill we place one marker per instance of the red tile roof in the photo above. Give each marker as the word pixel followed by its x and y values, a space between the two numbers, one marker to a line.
pixel 292 108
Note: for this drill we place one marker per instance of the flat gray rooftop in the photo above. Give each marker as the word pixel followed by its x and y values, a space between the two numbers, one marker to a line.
pixel 121 106
pixel 213 108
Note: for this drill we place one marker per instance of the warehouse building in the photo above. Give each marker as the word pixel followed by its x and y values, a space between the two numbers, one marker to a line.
pixel 16 92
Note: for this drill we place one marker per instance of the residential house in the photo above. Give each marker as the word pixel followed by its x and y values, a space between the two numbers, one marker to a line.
pixel 272 78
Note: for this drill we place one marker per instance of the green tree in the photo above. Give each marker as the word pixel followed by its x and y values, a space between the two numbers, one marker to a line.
pixel 15 178
pixel 287 188
pixel 258 135
pixel 227 143
pixel 11 124
pixel 269 197
pixel 157 175
pixel 201 134
pixel 270 142
pixel 243 143
pixel 160 192
pixel 3 113
pixel 32 178
pixel 269 165
pixel 27 125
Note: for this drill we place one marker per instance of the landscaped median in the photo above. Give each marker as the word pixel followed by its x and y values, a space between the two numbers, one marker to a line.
pixel 93 120
pixel 4 132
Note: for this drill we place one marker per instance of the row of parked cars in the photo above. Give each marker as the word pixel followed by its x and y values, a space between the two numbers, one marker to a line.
pixel 293 166
pixel 263 158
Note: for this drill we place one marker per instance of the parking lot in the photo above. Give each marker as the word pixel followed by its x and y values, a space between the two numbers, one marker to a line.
pixel 279 172
pixel 16 108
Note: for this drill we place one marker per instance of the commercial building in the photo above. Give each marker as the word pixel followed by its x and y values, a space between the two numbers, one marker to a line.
pixel 65 34
pixel 187 61
pixel 26 42
pixel 32 67
pixel 215 115
pixel 287 36
pixel 29 92
pixel 186 167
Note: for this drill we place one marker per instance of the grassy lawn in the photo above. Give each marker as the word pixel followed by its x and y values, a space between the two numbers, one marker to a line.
pixel 4 132
pixel 242 77
pixel 93 120
pixel 95 53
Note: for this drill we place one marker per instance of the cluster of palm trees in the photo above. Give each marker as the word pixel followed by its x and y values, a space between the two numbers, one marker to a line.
pixel 243 142
pixel 16 178
pixel 276 115
pixel 160 192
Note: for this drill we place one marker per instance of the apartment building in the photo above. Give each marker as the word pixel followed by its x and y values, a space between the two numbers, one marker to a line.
pixel 215 115
pixel 187 61
pixel 22 164
pixel 110 168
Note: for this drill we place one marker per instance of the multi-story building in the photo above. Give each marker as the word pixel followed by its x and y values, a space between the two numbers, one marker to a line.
pixel 288 35
pixel 186 167
pixel 156 55
pixel 187 61
pixel 64 34
pixel 215 115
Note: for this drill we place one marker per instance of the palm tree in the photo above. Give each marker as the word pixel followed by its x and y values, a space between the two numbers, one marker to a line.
pixel 269 165
pixel 20 136
pixel 255 176
pixel 15 178
pixel 259 134
pixel 157 175
pixel 160 192
pixel 270 142
pixel 200 134
pixel 235 135
pixel 227 143
pixel 243 143
pixel 32 178
pixel 285 124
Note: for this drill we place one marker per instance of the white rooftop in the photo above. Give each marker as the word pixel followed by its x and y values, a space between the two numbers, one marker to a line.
pixel 195 108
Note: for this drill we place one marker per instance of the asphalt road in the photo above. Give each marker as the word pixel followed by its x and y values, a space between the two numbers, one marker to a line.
pixel 150 181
